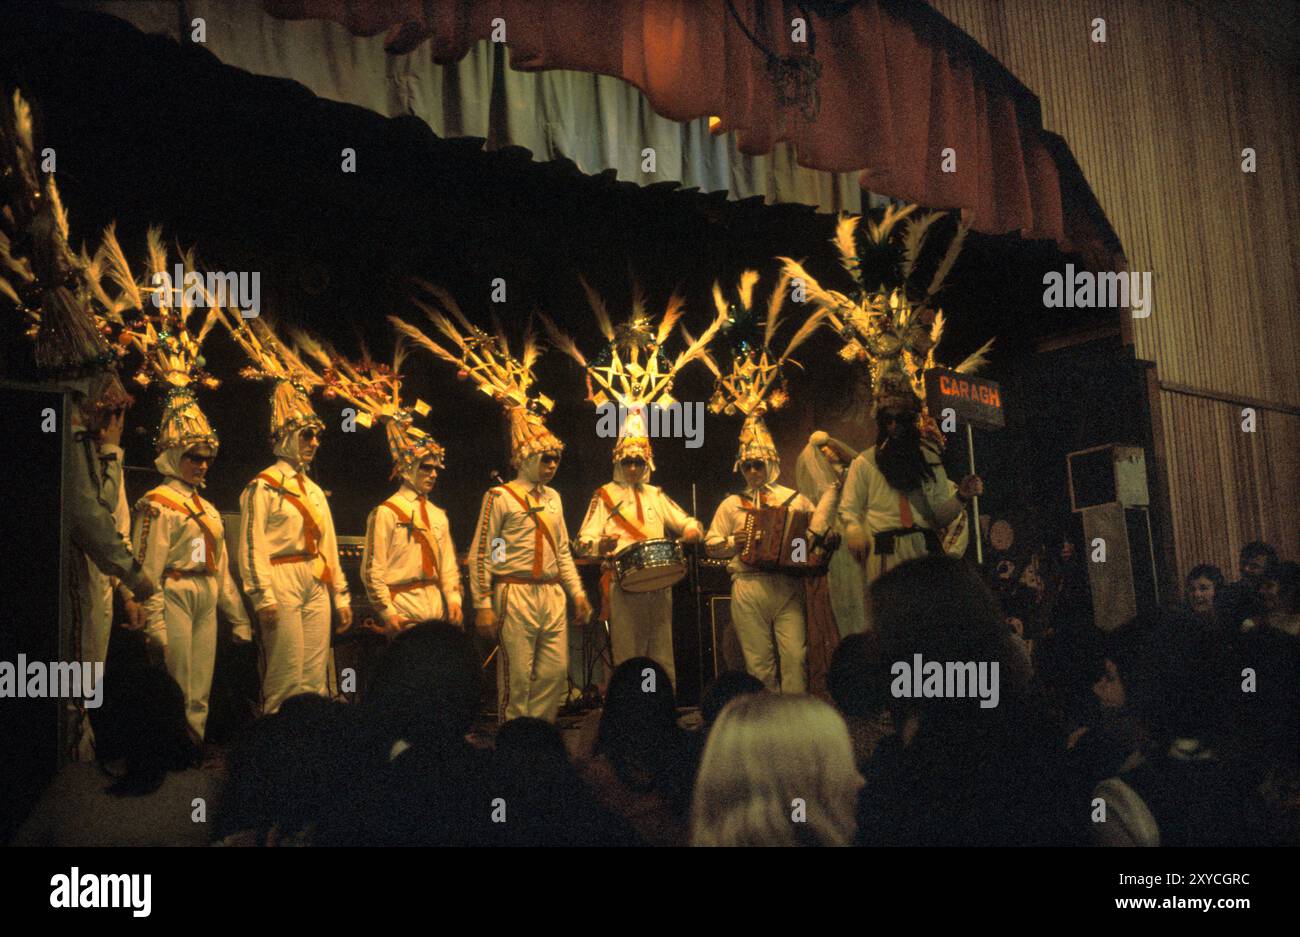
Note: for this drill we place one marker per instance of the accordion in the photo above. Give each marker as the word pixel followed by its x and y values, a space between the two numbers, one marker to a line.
pixel 776 540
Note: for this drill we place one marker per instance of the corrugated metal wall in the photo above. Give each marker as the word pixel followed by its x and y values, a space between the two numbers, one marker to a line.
pixel 1157 118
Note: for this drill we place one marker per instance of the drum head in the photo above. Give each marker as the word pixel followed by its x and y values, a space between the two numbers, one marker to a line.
pixel 651 578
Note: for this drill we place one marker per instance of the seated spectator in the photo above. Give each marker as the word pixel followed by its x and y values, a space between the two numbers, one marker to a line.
pixel 142 788
pixel 1242 599
pixel 725 687
pixel 290 773
pixel 1186 794
pixel 777 771
pixel 1279 594
pixel 860 692
pixel 1203 585
pixel 957 772
pixel 419 781
pixel 641 767
pixel 543 801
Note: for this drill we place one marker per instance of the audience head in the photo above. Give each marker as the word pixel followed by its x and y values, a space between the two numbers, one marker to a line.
pixel 426 687
pixel 1256 557
pixel 288 771
pixel 855 677
pixel 939 608
pixel 1204 582
pixel 725 687
pixel 1280 588
pixel 142 722
pixel 777 771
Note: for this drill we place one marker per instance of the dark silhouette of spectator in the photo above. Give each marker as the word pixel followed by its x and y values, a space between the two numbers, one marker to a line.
pixel 1188 792
pixel 1242 599
pixel 418 781
pixel 538 797
pixel 956 772
pixel 860 693
pixel 142 788
pixel 725 687
pixel 642 764
pixel 289 774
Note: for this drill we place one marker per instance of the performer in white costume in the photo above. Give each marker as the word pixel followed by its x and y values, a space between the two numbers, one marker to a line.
pixel 764 605
pixel 288 552
pixel 632 375
pixel 179 537
pixel 898 502
pixel 408 562
pixel 521 566
pixel 180 540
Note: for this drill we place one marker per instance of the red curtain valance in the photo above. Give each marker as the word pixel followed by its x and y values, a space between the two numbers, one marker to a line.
pixel 898 85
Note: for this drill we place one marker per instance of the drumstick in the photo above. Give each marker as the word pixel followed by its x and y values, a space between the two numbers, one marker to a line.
pixel 490 656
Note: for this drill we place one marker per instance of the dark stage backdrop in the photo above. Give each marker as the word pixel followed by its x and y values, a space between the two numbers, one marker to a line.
pixel 248 169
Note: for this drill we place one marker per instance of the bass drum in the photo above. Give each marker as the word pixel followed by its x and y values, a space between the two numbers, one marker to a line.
pixel 649 565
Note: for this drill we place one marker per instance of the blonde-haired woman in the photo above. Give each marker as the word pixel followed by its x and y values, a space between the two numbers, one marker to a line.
pixel 777 771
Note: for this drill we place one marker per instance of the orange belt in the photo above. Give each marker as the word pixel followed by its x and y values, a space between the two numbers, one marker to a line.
pixel 186 573
pixel 525 580
pixel 293 558
pixel 412 585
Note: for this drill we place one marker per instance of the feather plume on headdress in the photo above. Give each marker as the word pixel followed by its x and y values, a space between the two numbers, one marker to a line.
pixel 634 371
pixel 169 344
pixel 755 382
pixel 891 323
pixel 375 390
pixel 271 359
pixel 486 360
pixel 75 325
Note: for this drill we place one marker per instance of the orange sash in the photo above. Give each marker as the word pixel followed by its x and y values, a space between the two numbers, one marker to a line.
pixel 311 530
pixel 540 531
pixel 428 556
pixel 631 529
pixel 211 543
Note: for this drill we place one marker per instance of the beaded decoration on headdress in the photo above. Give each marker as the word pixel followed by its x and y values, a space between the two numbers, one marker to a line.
pixel 375 390
pixel 294 381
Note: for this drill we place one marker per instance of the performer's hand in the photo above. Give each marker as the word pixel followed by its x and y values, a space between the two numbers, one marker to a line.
pixel 454 614
pixel 582 609
pixel 144 588
pixel 344 615
pixel 266 617
pixel 855 538
pixel 692 535
pixel 134 615
pixel 607 545
pixel 485 620
pixel 111 433
pixel 971 486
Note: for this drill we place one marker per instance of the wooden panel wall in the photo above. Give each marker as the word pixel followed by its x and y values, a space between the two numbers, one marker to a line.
pixel 1157 118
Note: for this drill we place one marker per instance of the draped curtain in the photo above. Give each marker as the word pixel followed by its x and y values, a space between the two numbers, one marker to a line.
pixel 599 81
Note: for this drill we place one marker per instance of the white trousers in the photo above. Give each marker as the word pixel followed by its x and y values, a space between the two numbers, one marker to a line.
pixel 422 604
pixel 533 658
pixel 297 647
pixel 764 606
pixel 97 617
pixel 641 625
pixel 188 636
